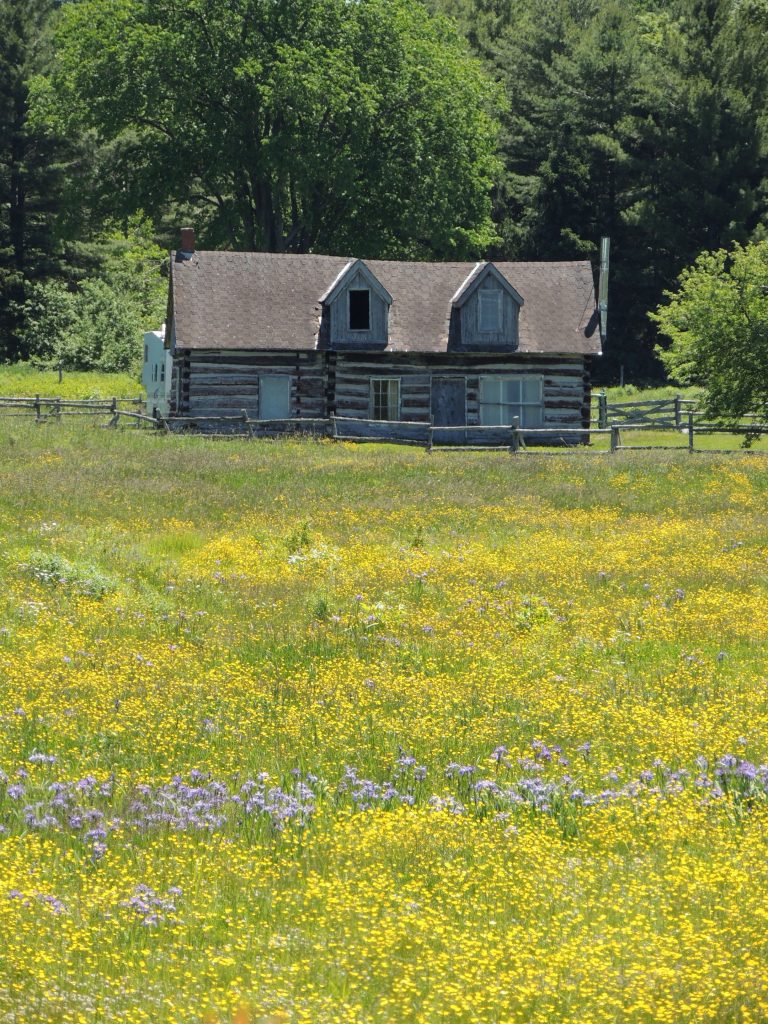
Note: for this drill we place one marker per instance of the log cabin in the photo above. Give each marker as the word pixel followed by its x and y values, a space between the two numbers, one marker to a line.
pixel 395 344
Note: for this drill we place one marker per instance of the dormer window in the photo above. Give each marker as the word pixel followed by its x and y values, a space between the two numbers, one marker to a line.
pixel 359 309
pixel 489 309
pixel 355 310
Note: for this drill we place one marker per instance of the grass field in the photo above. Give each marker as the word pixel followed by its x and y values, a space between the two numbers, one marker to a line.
pixel 631 393
pixel 23 380
pixel 299 732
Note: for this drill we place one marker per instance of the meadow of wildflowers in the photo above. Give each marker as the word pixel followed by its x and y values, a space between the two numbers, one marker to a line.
pixel 341 734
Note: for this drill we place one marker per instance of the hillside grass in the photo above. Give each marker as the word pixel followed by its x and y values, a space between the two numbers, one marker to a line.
pixel 295 731
pixel 21 380
pixel 631 393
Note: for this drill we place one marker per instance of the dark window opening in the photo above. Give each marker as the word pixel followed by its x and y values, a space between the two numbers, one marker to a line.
pixel 359 309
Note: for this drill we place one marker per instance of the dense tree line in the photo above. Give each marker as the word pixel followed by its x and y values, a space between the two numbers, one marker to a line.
pixel 646 121
pixel 516 129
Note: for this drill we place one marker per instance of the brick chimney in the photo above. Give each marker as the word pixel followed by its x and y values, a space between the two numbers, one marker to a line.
pixel 187 241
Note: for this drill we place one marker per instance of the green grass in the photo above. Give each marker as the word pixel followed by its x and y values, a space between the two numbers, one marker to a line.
pixel 674 439
pixel 178 604
pixel 20 380
pixel 631 393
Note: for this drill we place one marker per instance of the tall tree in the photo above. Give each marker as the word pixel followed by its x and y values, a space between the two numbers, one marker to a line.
pixel 717 321
pixel 30 169
pixel 310 125
pixel 644 121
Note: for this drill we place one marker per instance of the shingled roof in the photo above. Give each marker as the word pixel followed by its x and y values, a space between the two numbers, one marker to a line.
pixel 256 300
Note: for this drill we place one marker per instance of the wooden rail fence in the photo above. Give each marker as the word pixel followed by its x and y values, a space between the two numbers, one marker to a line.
pixel 657 415
pixel 54 408
pixel 662 413
pixel 512 438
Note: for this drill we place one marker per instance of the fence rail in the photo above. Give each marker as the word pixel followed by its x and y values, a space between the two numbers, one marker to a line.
pixel 44 408
pixel 512 437
pixel 662 413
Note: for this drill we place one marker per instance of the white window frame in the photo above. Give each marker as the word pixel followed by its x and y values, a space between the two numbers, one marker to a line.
pixel 486 293
pixel 359 330
pixel 397 381
pixel 519 409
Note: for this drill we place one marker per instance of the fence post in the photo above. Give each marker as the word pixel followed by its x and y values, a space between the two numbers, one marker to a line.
pixel 602 410
pixel 614 437
pixel 678 417
pixel 690 432
pixel 515 447
pixel 115 414
pixel 37 408
pixel 335 428
pixel 430 437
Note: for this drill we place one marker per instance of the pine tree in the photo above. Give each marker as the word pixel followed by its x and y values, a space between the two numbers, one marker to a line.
pixel 647 122
pixel 31 169
pixel 702 145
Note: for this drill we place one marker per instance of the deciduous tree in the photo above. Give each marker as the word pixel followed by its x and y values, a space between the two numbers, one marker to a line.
pixel 717 321
pixel 312 125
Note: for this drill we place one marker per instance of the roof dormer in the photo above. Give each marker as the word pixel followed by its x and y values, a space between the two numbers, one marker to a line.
pixel 487 309
pixel 357 306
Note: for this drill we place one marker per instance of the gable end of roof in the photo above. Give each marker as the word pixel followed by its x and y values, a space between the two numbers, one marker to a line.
pixel 473 281
pixel 347 273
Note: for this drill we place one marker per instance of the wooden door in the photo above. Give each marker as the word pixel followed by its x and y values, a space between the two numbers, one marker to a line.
pixel 449 401
pixel 274 397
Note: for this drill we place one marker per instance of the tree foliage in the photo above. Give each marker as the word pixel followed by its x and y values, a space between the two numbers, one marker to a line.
pixel 643 121
pixel 32 167
pixel 366 127
pixel 717 321
pixel 97 323
pixel 312 125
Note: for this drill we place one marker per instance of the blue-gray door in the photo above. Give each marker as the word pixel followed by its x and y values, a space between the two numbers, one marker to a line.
pixel 274 396
pixel 449 401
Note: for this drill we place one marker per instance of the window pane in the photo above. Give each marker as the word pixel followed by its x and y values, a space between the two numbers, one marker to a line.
pixel 393 399
pixel 492 410
pixel 490 389
pixel 532 389
pixel 511 391
pixel 376 391
pixel 532 416
pixel 503 398
pixel 385 399
pixel 490 415
pixel 359 309
pixel 489 309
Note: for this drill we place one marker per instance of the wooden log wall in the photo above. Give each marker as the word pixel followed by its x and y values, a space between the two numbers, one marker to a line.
pixel 565 382
pixel 222 382
pixel 209 382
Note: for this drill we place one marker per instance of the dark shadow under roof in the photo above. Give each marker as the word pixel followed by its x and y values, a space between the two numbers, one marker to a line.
pixel 256 300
